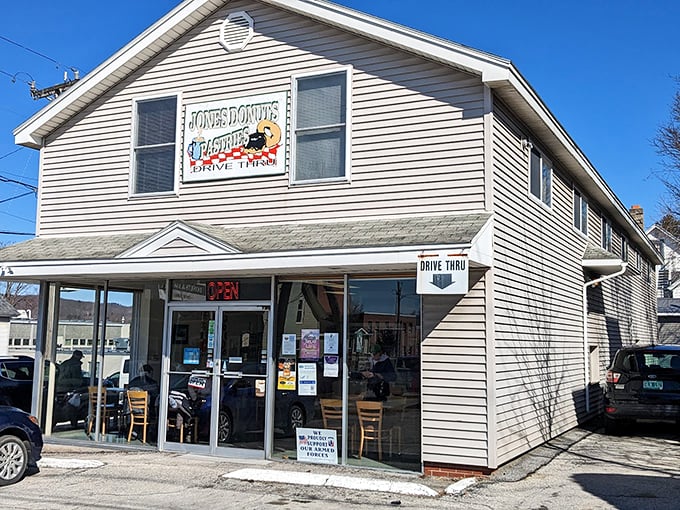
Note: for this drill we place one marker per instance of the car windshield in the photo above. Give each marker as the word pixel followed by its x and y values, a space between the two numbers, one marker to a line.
pixel 658 361
pixel 17 371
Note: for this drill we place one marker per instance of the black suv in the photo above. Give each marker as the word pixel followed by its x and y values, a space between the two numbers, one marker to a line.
pixel 16 381
pixel 643 383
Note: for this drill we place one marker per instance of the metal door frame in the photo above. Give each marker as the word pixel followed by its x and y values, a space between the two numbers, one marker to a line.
pixel 212 448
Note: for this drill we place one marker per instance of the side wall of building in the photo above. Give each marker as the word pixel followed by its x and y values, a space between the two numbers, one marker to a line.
pixel 540 352
pixel 538 305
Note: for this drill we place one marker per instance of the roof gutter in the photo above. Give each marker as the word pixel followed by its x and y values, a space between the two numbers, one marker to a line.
pixel 586 351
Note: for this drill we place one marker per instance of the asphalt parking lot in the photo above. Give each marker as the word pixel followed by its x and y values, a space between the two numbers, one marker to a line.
pixel 583 469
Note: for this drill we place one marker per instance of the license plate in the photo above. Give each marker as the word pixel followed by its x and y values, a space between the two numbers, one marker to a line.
pixel 197 382
pixel 652 385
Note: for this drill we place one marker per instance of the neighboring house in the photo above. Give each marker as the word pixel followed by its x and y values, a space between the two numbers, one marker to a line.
pixel 265 175
pixel 668 284
pixel 7 312
pixel 668 247
pixel 669 320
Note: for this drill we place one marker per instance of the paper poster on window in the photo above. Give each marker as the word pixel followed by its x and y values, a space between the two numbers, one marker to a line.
pixel 306 379
pixel 242 137
pixel 211 334
pixel 260 385
pixel 317 445
pixel 331 367
pixel 288 345
pixel 245 340
pixel 330 343
pixel 192 355
pixel 309 344
pixel 286 375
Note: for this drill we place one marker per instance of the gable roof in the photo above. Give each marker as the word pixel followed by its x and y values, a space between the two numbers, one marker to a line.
pixel 497 73
pixel 6 309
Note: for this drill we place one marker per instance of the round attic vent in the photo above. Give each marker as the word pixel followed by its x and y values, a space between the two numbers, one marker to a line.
pixel 236 31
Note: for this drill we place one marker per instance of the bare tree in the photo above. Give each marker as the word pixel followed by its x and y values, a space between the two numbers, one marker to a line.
pixel 17 293
pixel 667 144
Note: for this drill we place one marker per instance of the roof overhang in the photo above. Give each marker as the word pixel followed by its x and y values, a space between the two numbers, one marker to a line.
pixel 183 250
pixel 317 262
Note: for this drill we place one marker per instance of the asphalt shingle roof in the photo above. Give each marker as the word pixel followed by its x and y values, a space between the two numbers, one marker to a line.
pixel 593 252
pixel 6 309
pixel 414 231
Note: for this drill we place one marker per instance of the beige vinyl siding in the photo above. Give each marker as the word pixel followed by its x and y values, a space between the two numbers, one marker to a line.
pixel 417 135
pixel 621 312
pixel 538 307
pixel 454 389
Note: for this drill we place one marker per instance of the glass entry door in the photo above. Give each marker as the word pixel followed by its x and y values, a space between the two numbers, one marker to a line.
pixel 243 374
pixel 217 376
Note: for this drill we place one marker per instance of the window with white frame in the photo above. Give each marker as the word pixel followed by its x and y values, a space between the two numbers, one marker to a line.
pixel 624 249
pixel 154 145
pixel 321 111
pixel 540 177
pixel 606 234
pixel 580 213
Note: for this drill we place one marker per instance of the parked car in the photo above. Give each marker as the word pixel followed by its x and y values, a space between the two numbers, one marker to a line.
pixel 16 381
pixel 643 383
pixel 20 444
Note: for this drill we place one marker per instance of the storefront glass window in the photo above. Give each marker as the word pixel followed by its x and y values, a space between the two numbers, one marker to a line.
pixel 131 353
pixel 384 364
pixel 383 361
pixel 308 349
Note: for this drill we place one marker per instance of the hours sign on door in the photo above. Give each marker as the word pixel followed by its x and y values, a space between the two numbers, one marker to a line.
pixel 442 273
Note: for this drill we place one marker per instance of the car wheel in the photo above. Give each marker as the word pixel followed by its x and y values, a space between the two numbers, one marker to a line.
pixel 296 418
pixel 225 427
pixel 13 460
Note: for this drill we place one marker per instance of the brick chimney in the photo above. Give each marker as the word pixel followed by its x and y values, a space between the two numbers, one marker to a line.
pixel 638 215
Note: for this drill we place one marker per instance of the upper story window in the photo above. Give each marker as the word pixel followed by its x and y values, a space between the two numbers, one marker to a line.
pixel 540 177
pixel 606 234
pixel 624 249
pixel 320 120
pixel 580 213
pixel 154 147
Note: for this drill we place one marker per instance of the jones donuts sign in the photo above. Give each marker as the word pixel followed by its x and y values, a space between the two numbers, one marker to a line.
pixel 242 137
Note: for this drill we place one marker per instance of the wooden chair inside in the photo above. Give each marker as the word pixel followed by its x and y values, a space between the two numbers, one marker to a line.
pixel 138 406
pixel 105 411
pixel 331 414
pixel 182 424
pixel 370 416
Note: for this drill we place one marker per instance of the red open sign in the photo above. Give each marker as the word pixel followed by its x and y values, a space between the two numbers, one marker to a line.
pixel 222 291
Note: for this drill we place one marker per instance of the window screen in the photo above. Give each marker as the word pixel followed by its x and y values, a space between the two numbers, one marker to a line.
pixel 155 146
pixel 320 135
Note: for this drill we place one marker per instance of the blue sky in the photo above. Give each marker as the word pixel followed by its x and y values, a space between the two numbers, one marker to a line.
pixel 604 68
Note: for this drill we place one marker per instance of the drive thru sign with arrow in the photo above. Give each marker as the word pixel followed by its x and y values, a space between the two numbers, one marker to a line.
pixel 442 273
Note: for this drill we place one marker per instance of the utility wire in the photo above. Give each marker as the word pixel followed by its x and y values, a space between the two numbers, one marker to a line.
pixel 10 153
pixel 9 233
pixel 15 197
pixel 34 189
pixel 36 53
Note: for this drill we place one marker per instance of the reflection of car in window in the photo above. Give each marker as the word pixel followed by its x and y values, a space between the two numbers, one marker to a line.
pixel 16 381
pixel 242 407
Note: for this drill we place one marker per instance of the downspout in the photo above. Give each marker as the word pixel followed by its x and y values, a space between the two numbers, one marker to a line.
pixel 586 351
